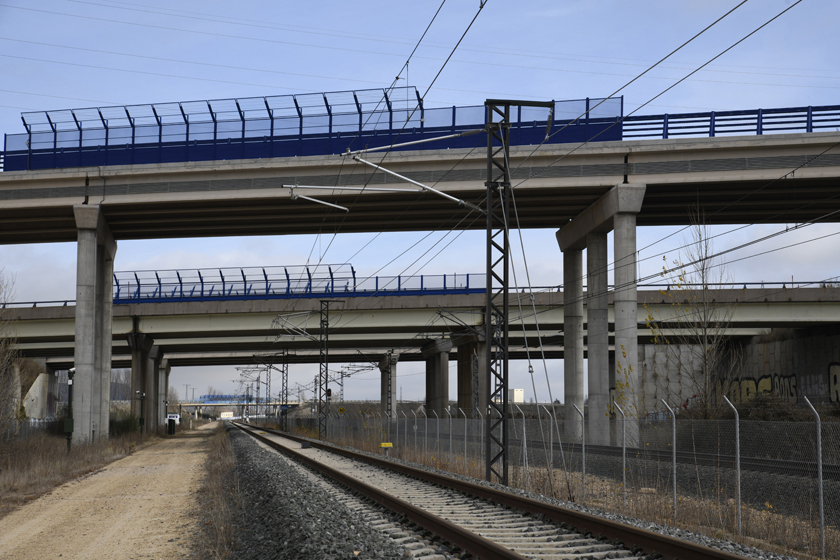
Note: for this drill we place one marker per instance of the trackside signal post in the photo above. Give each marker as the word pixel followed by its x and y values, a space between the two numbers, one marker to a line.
pixel 498 256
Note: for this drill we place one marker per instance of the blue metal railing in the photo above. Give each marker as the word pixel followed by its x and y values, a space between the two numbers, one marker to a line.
pixel 454 284
pixel 720 123
pixel 245 283
pixel 279 126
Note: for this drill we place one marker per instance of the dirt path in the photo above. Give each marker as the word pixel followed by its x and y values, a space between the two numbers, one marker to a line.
pixel 142 506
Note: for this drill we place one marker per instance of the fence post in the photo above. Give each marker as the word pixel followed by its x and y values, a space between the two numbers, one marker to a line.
pixel 425 432
pixel 526 478
pixel 437 425
pixel 481 426
pixel 465 440
pixel 582 453
pixel 623 455
pixel 737 462
pixel 673 454
pixel 405 431
pixel 819 477
pixel 450 433
pixel 550 449
pixel 415 430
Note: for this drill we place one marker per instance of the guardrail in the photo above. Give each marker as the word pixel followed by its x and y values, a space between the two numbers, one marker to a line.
pixel 722 123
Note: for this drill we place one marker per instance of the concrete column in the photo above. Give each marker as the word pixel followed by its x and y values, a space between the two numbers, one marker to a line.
pixel 92 354
pixel 152 403
pixel 140 344
pixel 614 426
pixel 598 336
pixel 86 384
pixel 626 335
pixel 163 389
pixel 573 340
pixel 436 354
pixel 165 369
pixel 472 354
pixel 388 369
pixel 105 299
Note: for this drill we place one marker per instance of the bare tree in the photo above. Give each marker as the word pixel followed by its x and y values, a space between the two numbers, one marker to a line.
pixel 173 396
pixel 9 374
pixel 694 334
pixel 121 384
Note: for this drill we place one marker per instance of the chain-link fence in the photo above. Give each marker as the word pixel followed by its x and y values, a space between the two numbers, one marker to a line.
pixel 758 482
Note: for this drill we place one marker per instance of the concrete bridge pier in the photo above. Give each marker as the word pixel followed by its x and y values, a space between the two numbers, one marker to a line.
pixel 572 341
pixel 388 369
pixel 627 372
pixel 472 389
pixel 616 210
pixel 436 353
pixel 163 388
pixel 153 400
pixel 96 249
pixel 145 377
pixel 598 336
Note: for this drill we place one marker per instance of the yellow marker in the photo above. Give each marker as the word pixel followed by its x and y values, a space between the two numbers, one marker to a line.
pixel 386 445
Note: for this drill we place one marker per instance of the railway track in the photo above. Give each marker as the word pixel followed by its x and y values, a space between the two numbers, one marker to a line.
pixel 483 521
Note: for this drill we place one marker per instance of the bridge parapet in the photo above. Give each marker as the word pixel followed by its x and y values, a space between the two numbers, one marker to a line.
pixel 281 126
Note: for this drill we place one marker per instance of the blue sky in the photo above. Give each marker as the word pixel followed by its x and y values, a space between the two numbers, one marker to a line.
pixel 58 54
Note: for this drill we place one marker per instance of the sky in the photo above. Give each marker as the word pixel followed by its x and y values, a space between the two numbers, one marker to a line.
pixel 60 54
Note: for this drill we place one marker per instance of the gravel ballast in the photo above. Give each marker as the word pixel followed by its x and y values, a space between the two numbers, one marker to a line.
pixel 725 545
pixel 287 516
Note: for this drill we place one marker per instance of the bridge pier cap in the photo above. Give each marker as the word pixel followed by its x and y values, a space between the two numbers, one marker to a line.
pixel 625 198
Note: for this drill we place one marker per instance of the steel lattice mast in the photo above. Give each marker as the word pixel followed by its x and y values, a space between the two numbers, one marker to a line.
pixel 498 269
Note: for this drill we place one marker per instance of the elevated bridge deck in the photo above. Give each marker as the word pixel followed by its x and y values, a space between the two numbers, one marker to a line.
pixel 363 329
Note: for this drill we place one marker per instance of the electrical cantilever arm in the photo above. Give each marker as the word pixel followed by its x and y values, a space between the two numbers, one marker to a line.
pixel 460 202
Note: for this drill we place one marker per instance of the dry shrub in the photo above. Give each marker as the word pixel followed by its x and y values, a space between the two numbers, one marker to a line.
pixel 32 467
pixel 219 498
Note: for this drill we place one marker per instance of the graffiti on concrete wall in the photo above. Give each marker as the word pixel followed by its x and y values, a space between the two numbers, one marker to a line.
pixel 745 389
pixel 786 387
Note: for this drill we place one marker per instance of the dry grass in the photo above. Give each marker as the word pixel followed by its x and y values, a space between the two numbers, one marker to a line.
pixel 219 499
pixel 761 528
pixel 30 468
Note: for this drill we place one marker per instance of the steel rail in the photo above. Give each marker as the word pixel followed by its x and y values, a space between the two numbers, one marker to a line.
pixel 466 540
pixel 632 538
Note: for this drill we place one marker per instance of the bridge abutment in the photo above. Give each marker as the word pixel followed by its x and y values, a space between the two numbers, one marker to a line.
pixel 96 249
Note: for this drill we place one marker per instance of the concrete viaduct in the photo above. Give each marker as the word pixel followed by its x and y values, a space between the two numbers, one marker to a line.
pixel 584 192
